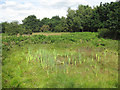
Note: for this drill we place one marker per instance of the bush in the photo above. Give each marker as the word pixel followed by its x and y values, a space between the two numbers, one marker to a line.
pixel 45 28
pixel 58 28
pixel 104 32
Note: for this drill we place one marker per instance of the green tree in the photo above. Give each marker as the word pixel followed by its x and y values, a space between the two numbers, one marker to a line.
pixel 44 21
pixel 55 20
pixel 64 26
pixel 108 17
pixel 31 22
pixel 95 21
pixel 113 23
pixel 58 28
pixel 84 13
pixel 12 28
pixel 45 28
pixel 24 30
pixel 3 26
pixel 70 18
pixel 79 20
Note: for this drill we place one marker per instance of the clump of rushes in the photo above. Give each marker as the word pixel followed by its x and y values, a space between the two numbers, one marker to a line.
pixel 84 60
pixel 75 62
pixel 67 55
pixel 28 57
pixel 41 59
pixel 64 70
pixel 42 64
pixel 96 55
pixel 80 62
pixel 87 69
pixel 55 57
pixel 63 62
pixel 69 60
pixel 98 58
pixel 67 69
pixel 105 53
pixel 96 74
pixel 48 73
pixel 95 66
pixel 27 60
pixel 79 56
pixel 92 59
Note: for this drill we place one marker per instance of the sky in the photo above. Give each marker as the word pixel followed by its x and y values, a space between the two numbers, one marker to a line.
pixel 17 10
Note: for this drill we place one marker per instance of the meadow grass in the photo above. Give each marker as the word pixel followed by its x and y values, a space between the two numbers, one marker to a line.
pixel 76 63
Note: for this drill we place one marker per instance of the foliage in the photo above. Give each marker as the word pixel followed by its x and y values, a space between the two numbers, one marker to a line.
pixel 78 59
pixel 44 21
pixel 4 25
pixel 104 32
pixel 31 22
pixel 107 16
pixel 83 19
pixel 12 28
pixel 86 38
pixel 72 60
pixel 45 28
pixel 54 21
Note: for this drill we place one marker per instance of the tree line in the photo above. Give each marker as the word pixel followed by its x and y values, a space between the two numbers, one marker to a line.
pixel 104 19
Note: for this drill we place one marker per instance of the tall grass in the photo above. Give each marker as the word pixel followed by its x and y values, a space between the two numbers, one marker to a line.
pixel 61 64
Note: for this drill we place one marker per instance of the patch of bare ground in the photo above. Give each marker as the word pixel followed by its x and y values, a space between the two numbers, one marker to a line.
pixel 47 34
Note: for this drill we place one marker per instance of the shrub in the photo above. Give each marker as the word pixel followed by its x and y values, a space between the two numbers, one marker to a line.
pixel 104 32
pixel 45 28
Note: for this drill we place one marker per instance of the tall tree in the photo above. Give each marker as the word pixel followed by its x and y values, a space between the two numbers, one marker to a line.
pixel 31 22
pixel 79 20
pixel 3 26
pixel 12 28
pixel 55 20
pixel 44 21
pixel 84 13
pixel 70 20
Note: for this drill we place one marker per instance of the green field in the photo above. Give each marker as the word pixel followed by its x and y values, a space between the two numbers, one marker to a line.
pixel 70 60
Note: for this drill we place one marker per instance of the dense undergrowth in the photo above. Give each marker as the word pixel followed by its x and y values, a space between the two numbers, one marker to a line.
pixel 75 60
pixel 78 37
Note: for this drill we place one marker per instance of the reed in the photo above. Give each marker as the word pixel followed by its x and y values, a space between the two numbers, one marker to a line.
pixel 75 62
pixel 69 60
pixel 80 62
pixel 48 73
pixel 98 58
pixel 92 59
pixel 95 66
pixel 84 60
pixel 96 55
pixel 55 57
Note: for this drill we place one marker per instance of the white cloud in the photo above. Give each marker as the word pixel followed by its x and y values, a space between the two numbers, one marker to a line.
pixel 112 0
pixel 19 9
pixel 12 10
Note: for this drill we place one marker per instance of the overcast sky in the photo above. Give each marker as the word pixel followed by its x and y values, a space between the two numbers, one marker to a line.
pixel 11 10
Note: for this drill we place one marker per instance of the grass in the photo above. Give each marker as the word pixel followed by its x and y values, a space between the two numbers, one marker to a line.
pixel 0 61
pixel 70 63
